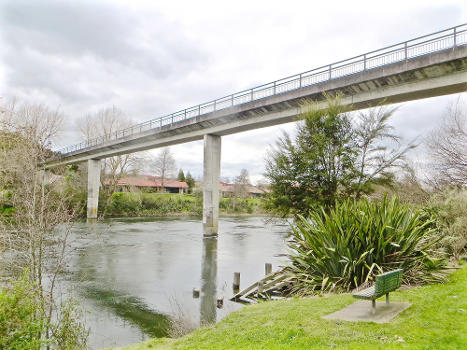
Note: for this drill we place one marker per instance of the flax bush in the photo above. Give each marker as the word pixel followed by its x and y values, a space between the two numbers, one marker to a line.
pixel 347 246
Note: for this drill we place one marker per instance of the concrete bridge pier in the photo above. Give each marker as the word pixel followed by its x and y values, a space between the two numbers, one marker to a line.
pixel 94 178
pixel 211 178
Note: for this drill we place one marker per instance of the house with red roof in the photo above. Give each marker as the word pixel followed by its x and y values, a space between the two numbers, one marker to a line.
pixel 148 183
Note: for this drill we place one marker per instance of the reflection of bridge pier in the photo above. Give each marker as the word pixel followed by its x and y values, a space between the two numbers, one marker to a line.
pixel 208 312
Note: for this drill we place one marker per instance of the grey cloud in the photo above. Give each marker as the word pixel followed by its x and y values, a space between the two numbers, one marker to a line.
pixel 68 31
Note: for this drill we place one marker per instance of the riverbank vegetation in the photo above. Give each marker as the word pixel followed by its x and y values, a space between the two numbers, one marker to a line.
pixel 340 179
pixel 436 320
pixel 34 230
pixel 357 210
pixel 344 248
pixel 159 204
pixel 334 155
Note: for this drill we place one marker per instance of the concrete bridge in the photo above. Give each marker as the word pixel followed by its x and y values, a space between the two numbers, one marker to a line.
pixel 427 66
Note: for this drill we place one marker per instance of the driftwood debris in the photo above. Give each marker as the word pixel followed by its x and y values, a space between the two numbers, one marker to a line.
pixel 272 283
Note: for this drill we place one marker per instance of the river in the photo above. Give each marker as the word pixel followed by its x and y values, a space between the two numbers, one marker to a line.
pixel 130 273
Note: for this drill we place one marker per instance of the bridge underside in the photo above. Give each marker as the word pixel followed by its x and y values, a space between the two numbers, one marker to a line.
pixel 434 74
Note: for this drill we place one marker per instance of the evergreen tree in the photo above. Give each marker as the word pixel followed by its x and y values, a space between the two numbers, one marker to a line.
pixel 190 182
pixel 181 175
pixel 331 158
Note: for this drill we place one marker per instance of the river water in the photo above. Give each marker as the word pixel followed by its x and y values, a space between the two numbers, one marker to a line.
pixel 129 274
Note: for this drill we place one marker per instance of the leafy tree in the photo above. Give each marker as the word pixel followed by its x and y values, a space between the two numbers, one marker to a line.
pixel 331 158
pixel 379 149
pixel 190 182
pixel 317 167
pixel 181 175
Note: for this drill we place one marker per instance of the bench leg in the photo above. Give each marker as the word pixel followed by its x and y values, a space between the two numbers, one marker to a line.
pixel 373 306
pixel 387 298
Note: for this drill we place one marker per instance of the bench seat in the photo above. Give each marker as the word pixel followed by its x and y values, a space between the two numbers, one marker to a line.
pixel 368 294
pixel 385 283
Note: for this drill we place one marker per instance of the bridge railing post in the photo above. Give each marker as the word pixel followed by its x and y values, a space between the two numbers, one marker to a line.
pixel 405 50
pixel 300 81
pixel 330 67
pixel 364 62
pixel 455 37
pixel 251 95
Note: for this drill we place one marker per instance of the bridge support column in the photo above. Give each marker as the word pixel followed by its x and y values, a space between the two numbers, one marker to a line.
pixel 211 178
pixel 94 177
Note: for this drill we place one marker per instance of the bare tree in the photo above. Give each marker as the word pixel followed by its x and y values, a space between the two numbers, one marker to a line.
pixel 105 123
pixel 447 147
pixel 241 184
pixel 164 165
pixel 35 236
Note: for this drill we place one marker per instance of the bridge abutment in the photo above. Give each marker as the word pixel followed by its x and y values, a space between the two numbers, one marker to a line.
pixel 211 178
pixel 94 174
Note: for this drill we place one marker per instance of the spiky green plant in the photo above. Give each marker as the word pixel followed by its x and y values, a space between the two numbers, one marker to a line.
pixel 346 247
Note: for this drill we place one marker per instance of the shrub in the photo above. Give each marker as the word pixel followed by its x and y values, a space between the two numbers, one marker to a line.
pixel 20 325
pixel 347 246
pixel 24 323
pixel 125 203
pixel 449 210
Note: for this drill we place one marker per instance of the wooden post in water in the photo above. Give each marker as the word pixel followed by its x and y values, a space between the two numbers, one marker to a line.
pixel 236 282
pixel 267 268
pixel 260 287
pixel 195 293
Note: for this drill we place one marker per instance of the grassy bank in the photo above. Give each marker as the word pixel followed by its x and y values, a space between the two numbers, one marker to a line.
pixel 157 204
pixel 437 319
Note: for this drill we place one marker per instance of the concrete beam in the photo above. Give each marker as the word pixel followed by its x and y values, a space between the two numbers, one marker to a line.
pixel 94 178
pixel 430 75
pixel 211 178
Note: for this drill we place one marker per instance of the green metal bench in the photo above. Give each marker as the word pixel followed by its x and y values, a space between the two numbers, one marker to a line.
pixel 385 283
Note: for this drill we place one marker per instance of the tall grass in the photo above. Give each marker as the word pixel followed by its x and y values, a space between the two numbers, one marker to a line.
pixel 346 247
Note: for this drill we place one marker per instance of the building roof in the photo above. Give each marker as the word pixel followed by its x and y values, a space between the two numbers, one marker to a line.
pixel 226 187
pixel 149 181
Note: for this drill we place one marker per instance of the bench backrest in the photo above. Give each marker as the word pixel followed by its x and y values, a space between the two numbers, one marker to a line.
pixel 389 281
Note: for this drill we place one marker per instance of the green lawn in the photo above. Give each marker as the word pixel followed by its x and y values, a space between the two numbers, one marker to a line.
pixel 437 319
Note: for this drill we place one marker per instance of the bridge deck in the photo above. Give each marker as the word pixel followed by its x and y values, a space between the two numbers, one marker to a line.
pixel 428 66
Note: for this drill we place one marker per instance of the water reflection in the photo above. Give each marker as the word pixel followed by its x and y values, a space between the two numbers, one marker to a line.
pixel 128 273
pixel 208 312
pixel 131 309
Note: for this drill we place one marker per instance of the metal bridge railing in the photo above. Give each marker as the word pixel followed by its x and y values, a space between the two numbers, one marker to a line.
pixel 438 41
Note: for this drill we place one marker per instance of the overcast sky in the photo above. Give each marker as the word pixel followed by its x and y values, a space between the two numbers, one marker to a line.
pixel 152 58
